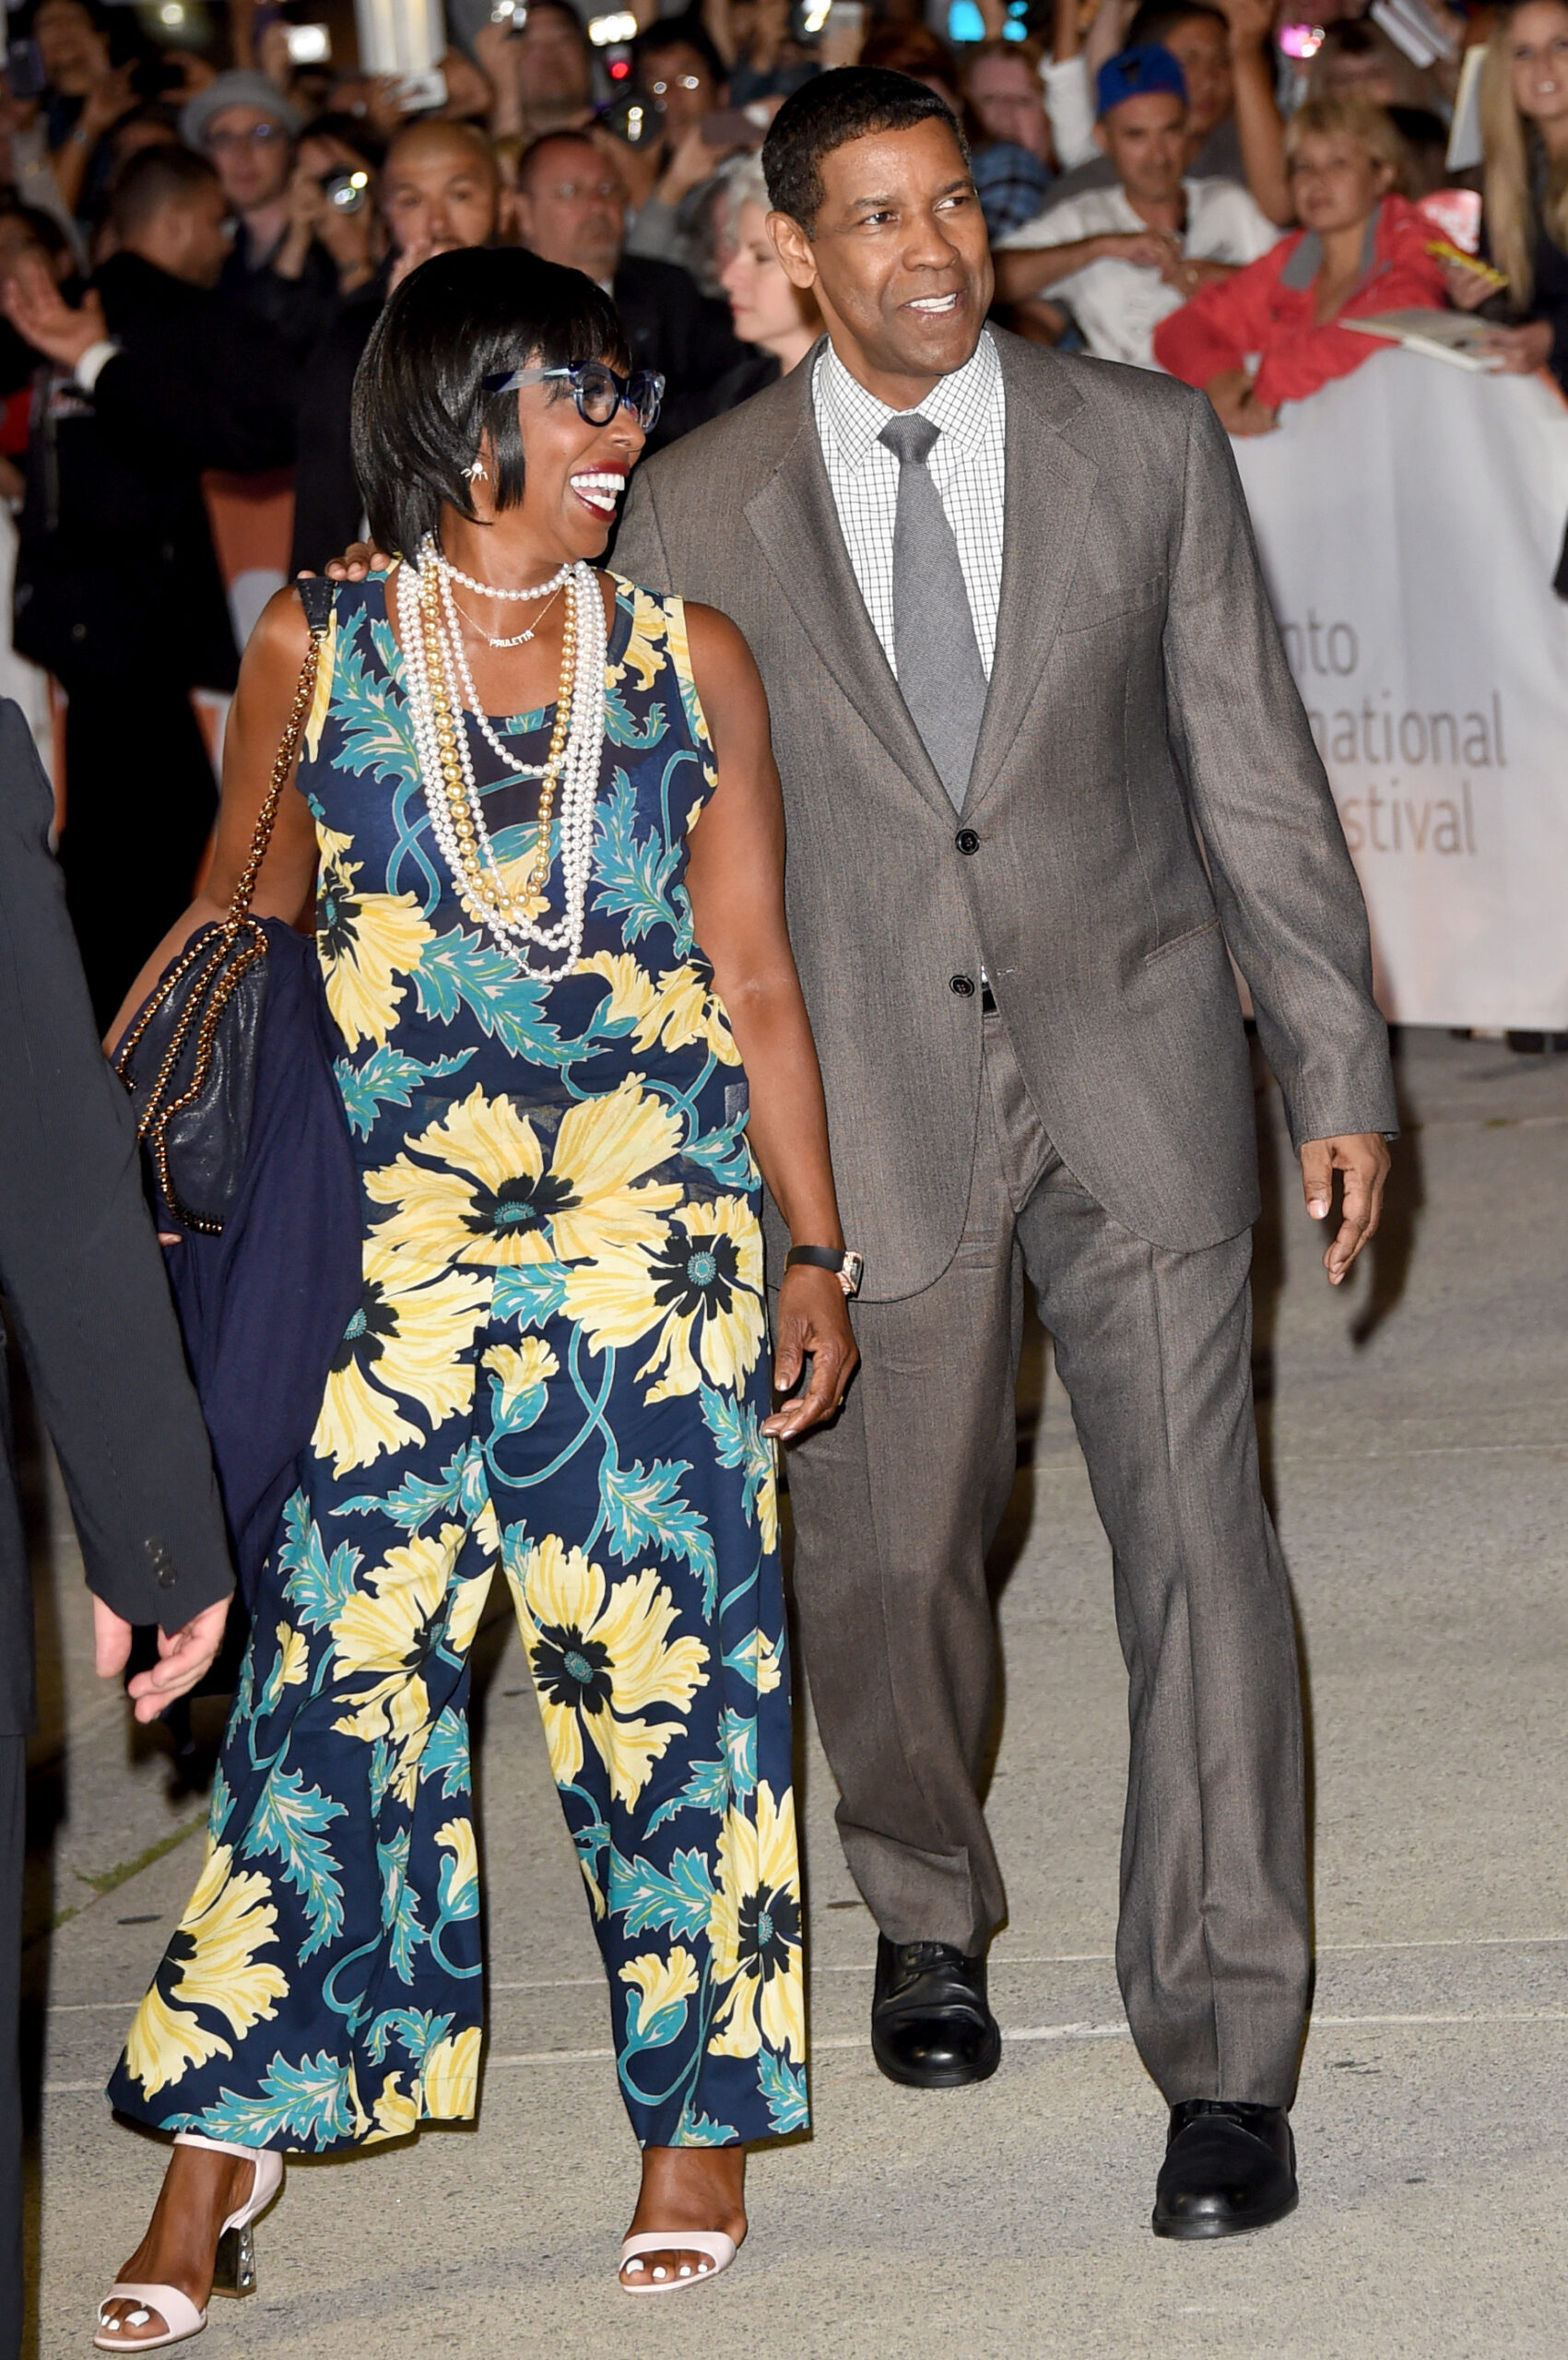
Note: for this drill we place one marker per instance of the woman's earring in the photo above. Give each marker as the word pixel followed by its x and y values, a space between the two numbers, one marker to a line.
pixel 477 473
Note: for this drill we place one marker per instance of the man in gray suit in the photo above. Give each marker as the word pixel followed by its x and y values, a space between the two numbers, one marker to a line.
pixel 1045 766
pixel 87 1303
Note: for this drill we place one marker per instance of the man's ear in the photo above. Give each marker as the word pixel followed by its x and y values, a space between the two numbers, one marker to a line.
pixel 1099 139
pixel 506 228
pixel 794 249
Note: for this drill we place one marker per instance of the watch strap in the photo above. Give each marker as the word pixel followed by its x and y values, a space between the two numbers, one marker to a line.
pixel 845 1265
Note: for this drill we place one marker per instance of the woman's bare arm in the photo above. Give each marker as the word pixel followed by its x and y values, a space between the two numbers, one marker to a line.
pixel 269 677
pixel 735 878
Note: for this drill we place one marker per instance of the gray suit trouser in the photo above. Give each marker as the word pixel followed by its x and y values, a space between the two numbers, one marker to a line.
pixel 895 1506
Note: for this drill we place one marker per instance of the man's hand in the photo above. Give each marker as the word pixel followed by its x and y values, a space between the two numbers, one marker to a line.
pixel 1362 1157
pixel 1147 249
pixel 183 1660
pixel 813 1321
pixel 42 316
pixel 357 559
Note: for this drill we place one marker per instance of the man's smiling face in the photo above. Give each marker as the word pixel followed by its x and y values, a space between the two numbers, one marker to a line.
pixel 898 257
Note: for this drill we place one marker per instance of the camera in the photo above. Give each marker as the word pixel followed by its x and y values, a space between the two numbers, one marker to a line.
pixel 347 192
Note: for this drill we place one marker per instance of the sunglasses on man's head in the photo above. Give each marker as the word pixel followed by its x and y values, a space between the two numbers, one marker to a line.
pixel 596 388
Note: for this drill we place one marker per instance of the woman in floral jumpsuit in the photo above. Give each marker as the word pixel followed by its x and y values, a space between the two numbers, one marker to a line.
pixel 558 1366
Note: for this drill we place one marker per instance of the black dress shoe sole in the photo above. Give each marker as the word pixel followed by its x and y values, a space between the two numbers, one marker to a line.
pixel 941 2077
pixel 1210 2226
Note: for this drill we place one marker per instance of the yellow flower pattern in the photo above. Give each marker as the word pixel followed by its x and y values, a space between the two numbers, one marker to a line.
pixel 558 1362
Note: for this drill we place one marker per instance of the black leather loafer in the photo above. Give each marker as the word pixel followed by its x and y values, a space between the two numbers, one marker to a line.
pixel 1228 2167
pixel 931 2025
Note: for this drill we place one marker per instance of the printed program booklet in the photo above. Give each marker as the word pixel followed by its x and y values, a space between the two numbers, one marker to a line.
pixel 1457 336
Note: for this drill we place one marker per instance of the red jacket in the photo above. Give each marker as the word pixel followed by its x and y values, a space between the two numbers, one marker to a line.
pixel 1254 311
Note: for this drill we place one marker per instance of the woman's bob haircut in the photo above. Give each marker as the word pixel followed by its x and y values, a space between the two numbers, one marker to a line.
pixel 420 412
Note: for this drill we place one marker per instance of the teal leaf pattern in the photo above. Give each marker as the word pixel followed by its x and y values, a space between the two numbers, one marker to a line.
pixel 318 1586
pixel 683 1900
pixel 738 1432
pixel 306 2105
pixel 645 1510
pixel 784 2086
pixel 708 1788
pixel 387 1078
pixel 290 1821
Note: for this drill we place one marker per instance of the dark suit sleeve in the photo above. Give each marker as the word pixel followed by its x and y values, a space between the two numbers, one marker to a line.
pixel 1289 898
pixel 80 1263
pixel 220 391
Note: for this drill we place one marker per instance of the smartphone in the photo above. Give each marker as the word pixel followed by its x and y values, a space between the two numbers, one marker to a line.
pixel 1301 40
pixel 633 119
pixel 25 76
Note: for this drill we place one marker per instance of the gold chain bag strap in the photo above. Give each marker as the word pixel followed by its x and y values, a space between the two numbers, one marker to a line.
pixel 197 1033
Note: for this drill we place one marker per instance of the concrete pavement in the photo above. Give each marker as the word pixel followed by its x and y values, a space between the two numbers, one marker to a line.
pixel 1416 1434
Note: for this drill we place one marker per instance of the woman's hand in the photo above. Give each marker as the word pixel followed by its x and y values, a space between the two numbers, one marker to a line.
pixel 1468 287
pixel 1237 405
pixel 1521 351
pixel 361 556
pixel 813 1323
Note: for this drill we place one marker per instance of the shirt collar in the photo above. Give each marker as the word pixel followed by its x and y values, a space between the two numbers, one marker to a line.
pixel 958 404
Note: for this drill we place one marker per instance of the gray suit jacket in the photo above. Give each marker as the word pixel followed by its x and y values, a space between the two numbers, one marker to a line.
pixel 1145 794
pixel 83 1277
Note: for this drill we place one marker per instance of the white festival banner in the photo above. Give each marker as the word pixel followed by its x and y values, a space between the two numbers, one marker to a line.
pixel 1409 519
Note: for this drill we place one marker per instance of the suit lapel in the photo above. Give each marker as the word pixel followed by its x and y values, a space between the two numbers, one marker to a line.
pixel 1049 490
pixel 797 524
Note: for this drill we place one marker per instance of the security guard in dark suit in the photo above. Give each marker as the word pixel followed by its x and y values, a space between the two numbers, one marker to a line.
pixel 88 1304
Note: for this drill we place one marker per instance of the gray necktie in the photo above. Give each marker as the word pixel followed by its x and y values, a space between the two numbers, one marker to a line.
pixel 938 657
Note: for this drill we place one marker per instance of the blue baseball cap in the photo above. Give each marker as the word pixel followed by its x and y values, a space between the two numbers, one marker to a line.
pixel 1134 73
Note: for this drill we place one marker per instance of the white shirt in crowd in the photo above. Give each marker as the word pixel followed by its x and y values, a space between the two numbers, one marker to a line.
pixel 967 466
pixel 1118 305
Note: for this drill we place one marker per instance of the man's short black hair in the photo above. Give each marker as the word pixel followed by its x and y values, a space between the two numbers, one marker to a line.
pixel 1157 18
pixel 421 407
pixel 153 177
pixel 678 32
pixel 829 112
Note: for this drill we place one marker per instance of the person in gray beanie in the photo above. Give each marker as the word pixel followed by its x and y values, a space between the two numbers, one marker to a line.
pixel 247 130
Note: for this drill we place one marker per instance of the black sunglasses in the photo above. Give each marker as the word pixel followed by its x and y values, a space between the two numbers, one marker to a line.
pixel 596 388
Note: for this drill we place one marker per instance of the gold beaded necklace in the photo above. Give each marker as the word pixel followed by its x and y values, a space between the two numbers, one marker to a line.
pixel 480 881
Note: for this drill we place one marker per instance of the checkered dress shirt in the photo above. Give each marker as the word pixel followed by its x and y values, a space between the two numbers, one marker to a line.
pixel 966 465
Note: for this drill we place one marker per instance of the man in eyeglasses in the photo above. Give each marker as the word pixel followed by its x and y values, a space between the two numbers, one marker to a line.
pixel 247 130
pixel 571 206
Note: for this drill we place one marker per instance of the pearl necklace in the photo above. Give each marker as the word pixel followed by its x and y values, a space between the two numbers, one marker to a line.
pixel 439 686
pixel 430 554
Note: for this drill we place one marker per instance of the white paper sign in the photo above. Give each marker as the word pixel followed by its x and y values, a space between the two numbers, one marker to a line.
pixel 1409 518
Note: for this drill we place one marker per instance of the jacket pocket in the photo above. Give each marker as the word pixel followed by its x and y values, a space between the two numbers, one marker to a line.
pixel 1180 941
pixel 1089 612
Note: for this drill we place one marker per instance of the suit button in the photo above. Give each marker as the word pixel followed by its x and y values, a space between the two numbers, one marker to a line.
pixel 163 1563
pixel 967 841
pixel 962 984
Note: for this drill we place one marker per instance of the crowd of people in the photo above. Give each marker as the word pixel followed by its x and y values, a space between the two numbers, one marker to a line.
pixel 736 320
pixel 195 247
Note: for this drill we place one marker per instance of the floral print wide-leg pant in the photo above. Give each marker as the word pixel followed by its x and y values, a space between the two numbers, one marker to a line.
pixel 323 1988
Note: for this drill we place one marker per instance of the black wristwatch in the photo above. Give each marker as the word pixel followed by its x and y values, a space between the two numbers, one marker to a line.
pixel 846 1267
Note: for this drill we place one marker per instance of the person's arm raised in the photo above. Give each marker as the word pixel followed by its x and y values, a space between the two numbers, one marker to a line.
pixel 735 874
pixel 269 679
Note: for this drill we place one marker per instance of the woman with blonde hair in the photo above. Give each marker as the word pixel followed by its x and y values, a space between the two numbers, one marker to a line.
pixel 1524 113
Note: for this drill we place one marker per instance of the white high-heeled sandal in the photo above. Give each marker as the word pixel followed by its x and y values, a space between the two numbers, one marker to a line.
pixel 720 2249
pixel 234 2271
